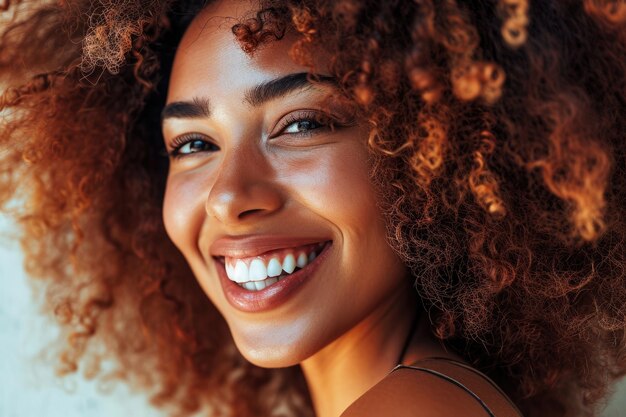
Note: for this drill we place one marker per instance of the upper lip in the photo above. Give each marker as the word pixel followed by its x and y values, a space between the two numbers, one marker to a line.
pixel 254 245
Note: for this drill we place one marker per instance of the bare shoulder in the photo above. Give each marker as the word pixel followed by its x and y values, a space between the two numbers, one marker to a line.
pixel 407 393
pixel 450 390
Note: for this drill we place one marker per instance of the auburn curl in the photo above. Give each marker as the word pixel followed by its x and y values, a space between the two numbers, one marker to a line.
pixel 497 131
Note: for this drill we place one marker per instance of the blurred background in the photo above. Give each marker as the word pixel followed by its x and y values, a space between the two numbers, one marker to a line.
pixel 28 387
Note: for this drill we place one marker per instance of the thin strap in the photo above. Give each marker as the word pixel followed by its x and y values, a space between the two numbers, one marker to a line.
pixel 453 381
pixel 408 337
pixel 475 371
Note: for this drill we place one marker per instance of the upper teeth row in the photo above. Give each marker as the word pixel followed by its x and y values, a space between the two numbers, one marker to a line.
pixel 259 270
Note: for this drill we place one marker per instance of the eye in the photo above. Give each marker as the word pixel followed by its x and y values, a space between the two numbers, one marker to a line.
pixel 190 144
pixel 303 123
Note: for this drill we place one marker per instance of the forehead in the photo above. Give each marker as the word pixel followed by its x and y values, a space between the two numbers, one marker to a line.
pixel 209 60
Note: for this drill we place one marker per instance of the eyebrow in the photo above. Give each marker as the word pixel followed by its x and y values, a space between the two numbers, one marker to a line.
pixel 200 107
pixel 197 108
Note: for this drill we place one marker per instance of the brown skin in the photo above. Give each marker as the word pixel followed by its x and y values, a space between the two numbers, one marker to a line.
pixel 259 178
pixel 409 392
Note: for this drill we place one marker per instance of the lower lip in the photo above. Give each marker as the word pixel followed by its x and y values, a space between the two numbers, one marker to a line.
pixel 274 295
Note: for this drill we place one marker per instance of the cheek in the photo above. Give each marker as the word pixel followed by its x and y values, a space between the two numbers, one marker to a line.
pixel 349 199
pixel 334 184
pixel 182 211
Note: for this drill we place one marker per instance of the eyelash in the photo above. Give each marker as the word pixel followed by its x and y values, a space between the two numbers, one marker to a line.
pixel 323 122
pixel 182 140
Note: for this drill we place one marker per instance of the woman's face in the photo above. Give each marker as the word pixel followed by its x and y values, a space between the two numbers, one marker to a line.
pixel 261 184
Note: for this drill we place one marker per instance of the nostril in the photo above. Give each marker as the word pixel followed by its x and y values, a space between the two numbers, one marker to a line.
pixel 248 213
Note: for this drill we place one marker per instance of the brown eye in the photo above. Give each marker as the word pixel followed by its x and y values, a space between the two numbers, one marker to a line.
pixel 301 126
pixel 303 123
pixel 186 145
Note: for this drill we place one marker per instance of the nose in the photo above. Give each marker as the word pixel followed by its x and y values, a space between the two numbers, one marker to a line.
pixel 244 188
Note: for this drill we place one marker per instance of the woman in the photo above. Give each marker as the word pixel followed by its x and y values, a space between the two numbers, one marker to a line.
pixel 395 208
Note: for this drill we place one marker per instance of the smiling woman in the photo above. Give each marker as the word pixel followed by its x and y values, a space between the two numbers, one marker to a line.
pixel 259 178
pixel 262 208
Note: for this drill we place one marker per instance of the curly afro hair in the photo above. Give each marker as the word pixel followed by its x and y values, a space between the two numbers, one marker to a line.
pixel 497 130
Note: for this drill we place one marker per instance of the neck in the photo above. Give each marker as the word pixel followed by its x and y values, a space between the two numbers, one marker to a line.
pixel 349 366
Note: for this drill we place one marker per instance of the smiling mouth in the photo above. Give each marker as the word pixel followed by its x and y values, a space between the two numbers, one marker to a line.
pixel 260 272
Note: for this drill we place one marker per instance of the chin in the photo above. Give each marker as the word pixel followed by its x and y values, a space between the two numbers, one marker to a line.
pixel 271 357
pixel 276 342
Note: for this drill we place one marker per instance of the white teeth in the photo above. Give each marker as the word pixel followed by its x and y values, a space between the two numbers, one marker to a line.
pixel 302 260
pixel 257 272
pixel 259 285
pixel 241 272
pixel 289 264
pixel 274 268
pixel 257 275
pixel 230 271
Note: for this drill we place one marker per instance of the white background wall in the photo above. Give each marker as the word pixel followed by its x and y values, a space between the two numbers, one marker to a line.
pixel 28 387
